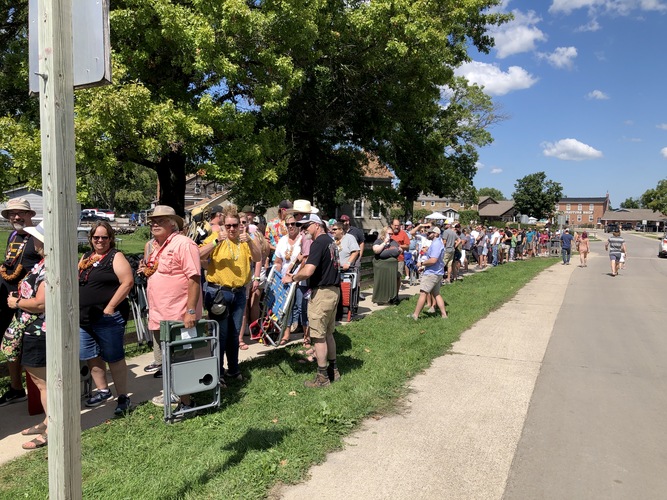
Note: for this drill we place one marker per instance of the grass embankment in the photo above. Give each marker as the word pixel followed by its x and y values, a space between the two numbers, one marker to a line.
pixel 269 427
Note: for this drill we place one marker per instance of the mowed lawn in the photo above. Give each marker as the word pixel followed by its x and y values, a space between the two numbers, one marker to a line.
pixel 269 428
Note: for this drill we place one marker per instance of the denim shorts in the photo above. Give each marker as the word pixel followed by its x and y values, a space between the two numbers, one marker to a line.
pixel 103 338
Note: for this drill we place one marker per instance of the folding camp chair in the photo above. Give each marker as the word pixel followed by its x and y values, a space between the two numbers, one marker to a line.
pixel 194 372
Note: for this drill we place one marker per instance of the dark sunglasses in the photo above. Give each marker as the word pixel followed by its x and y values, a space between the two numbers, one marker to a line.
pixel 290 224
pixel 100 237
pixel 229 226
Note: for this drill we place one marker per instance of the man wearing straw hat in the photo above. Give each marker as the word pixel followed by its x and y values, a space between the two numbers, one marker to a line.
pixel 20 257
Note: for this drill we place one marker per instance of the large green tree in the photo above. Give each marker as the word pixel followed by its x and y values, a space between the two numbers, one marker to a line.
pixel 494 193
pixel 656 199
pixel 278 98
pixel 536 196
pixel 630 203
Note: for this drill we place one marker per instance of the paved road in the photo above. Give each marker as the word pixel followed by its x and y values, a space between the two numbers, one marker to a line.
pixel 595 428
pixel 559 394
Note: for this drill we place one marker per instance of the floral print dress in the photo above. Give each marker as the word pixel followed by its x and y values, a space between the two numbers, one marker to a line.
pixel 25 323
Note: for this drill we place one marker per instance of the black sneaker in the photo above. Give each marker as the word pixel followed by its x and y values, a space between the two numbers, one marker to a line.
pixel 123 406
pixel 158 373
pixel 13 396
pixel 153 367
pixel 99 398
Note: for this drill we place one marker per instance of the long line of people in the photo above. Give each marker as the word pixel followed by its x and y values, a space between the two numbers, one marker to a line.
pixel 223 276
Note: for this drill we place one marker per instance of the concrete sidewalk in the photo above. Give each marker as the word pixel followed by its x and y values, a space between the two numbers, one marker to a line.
pixel 464 416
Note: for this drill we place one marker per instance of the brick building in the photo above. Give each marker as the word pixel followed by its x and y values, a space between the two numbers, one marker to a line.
pixel 583 212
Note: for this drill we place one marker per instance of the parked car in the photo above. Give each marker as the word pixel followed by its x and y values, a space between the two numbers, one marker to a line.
pixel 610 228
pixel 662 246
pixel 639 227
pixel 101 214
pixel 91 216
pixel 627 226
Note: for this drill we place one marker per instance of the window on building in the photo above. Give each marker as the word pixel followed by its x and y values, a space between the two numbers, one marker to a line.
pixel 463 205
pixel 567 207
pixel 433 203
pixel 591 207
pixel 590 218
pixel 358 209
pixel 579 207
pixel 447 204
pixel 423 203
pixel 376 211
pixel 578 218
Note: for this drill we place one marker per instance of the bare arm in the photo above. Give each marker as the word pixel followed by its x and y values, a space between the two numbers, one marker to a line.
pixel 194 289
pixel 123 271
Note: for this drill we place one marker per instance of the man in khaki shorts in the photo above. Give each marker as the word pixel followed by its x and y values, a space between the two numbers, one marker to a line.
pixel 323 275
pixel 434 270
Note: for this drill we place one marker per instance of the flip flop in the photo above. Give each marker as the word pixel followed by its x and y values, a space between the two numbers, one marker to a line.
pixel 36 429
pixel 36 443
pixel 243 346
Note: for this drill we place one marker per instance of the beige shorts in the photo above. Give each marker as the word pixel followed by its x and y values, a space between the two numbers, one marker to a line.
pixel 322 311
pixel 430 283
pixel 449 257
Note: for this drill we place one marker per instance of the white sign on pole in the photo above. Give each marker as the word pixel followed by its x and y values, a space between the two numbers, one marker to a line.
pixel 90 43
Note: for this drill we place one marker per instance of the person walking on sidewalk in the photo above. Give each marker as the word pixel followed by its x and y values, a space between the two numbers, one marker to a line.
pixel 434 270
pixel 566 246
pixel 322 272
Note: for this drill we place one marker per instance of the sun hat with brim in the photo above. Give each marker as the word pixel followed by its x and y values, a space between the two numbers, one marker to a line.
pixel 36 231
pixel 166 211
pixel 17 204
pixel 302 207
pixel 309 219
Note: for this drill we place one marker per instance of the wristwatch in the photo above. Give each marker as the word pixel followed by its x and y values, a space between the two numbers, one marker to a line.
pixel 191 311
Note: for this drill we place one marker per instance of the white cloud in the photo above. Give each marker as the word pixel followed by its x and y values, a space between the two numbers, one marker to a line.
pixel 494 80
pixel 499 170
pixel 571 150
pixel 519 35
pixel 597 95
pixel 562 57
pixel 622 7
pixel 662 126
pixel 590 26
pixel 663 152
pixel 479 165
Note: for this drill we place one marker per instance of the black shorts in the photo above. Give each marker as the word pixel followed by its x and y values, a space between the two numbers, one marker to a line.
pixel 34 351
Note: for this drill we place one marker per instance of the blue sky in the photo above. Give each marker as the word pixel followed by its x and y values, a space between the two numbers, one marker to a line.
pixel 583 84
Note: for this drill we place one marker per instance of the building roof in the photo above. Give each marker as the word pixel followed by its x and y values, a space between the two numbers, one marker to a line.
pixel 583 200
pixel 376 170
pixel 633 214
pixel 497 209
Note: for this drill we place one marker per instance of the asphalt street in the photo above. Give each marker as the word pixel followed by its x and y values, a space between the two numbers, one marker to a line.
pixel 595 427
pixel 560 394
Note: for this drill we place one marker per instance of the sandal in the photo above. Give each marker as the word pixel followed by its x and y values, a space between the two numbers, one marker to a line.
pixel 39 442
pixel 243 346
pixel 284 341
pixel 39 428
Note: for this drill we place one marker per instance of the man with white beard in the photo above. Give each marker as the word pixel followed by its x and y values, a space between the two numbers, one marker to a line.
pixel 20 257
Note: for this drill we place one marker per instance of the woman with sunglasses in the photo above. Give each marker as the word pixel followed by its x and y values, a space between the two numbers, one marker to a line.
pixel 288 252
pixel 105 280
pixel 232 252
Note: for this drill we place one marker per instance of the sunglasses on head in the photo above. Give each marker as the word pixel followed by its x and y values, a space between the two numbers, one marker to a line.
pixel 230 226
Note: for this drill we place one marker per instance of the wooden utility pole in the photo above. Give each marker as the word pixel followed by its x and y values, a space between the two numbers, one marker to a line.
pixel 56 101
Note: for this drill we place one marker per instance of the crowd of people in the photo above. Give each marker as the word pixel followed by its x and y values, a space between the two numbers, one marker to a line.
pixel 222 276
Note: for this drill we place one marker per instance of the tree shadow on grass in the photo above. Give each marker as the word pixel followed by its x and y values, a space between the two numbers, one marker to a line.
pixel 254 439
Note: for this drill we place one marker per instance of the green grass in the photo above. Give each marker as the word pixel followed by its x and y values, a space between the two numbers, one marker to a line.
pixel 270 429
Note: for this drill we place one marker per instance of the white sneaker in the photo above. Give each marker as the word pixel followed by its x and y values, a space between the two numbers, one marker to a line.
pixel 159 400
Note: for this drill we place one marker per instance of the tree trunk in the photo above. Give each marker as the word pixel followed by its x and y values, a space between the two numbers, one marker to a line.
pixel 171 179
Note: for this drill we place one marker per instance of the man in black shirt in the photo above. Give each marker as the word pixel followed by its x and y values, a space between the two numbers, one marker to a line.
pixel 323 275
pixel 358 235
pixel 20 257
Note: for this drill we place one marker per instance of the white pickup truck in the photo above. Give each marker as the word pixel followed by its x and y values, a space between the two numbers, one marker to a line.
pixel 89 214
